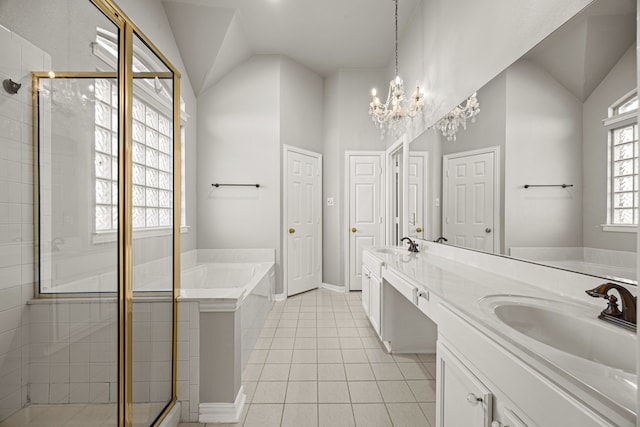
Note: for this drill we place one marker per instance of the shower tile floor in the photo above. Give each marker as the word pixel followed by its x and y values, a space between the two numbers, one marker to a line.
pixel 318 362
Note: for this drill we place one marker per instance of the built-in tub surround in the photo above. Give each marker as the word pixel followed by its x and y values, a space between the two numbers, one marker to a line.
pixel 224 300
pixel 462 279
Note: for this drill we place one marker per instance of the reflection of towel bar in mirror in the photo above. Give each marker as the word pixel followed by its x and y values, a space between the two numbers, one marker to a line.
pixel 236 185
pixel 548 185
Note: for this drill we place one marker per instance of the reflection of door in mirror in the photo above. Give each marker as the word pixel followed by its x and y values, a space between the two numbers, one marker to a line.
pixel 417 194
pixel 395 176
pixel 469 207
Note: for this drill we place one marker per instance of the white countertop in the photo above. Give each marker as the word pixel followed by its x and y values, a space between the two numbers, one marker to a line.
pixel 461 287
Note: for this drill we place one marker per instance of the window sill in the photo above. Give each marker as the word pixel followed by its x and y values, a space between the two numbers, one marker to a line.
pixel 620 228
pixel 112 236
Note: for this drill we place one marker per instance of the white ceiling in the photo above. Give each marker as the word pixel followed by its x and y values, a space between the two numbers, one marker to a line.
pixel 216 35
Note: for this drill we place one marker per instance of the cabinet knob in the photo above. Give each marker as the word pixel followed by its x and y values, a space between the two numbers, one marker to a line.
pixel 473 399
pixel 419 230
pixel 353 229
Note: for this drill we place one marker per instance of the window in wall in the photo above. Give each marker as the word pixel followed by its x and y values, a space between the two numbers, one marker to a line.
pixel 624 165
pixel 152 150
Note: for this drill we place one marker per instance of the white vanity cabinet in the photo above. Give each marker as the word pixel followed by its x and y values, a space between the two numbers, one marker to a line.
pixel 463 399
pixel 372 290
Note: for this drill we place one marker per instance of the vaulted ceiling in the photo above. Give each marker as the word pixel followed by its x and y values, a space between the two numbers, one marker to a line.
pixel 214 36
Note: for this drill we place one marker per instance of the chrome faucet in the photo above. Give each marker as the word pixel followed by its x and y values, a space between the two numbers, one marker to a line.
pixel 413 246
pixel 625 317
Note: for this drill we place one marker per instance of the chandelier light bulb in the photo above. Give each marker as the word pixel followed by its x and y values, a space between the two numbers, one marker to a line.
pixel 374 92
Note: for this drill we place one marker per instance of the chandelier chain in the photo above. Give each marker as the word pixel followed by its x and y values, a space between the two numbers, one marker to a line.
pixel 396 21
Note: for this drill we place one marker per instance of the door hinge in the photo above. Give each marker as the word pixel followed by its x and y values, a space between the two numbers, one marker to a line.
pixel 380 171
pixel 446 173
pixel 447 220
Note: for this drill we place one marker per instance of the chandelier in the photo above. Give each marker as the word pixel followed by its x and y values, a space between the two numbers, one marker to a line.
pixel 458 117
pixel 393 116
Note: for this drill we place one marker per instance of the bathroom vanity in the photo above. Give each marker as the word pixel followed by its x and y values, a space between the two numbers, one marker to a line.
pixel 517 344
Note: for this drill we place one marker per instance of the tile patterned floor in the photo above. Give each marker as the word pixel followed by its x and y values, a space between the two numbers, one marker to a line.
pixel 318 362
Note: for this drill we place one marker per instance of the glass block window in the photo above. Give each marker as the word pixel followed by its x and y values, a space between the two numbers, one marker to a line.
pixel 623 164
pixel 152 162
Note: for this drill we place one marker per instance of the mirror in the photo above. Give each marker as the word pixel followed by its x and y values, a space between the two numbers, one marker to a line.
pixel 395 166
pixel 556 130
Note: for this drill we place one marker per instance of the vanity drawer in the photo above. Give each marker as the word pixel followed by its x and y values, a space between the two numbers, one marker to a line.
pixel 404 287
pixel 373 264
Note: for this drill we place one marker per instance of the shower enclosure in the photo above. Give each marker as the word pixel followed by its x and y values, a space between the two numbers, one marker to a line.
pixel 98 136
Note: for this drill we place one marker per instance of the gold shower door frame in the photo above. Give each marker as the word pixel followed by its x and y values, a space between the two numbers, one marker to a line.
pixel 125 75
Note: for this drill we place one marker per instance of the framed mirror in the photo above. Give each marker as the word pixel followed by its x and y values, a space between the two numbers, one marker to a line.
pixel 562 125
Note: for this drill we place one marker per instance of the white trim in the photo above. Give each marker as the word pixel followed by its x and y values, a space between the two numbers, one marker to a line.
pixel 401 143
pixel 334 288
pixel 619 228
pixel 426 214
pixel 347 205
pixel 173 417
pixel 279 297
pixel 285 200
pixel 497 217
pixel 222 412
pixel 621 119
pixel 218 305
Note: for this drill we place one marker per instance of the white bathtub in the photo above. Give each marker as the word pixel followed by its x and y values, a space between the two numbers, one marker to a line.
pixel 231 301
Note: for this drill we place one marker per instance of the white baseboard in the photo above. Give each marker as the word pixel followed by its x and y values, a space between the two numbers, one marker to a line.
pixel 173 417
pixel 223 412
pixel 334 288
pixel 279 297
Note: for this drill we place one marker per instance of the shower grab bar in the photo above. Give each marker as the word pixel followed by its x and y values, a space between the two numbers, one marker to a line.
pixel 548 185
pixel 236 185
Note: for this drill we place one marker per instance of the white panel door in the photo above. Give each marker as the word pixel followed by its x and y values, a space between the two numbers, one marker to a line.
pixel 416 220
pixel 365 211
pixel 304 208
pixel 469 201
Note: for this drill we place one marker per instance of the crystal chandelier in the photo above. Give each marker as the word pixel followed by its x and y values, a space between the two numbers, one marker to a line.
pixel 458 117
pixel 393 116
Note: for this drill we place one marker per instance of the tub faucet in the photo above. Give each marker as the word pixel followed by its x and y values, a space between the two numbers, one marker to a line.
pixel 413 246
pixel 625 317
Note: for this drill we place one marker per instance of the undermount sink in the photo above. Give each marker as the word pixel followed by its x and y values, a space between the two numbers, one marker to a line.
pixel 565 326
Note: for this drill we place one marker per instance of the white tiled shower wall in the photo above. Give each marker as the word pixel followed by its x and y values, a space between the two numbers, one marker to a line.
pixel 19 58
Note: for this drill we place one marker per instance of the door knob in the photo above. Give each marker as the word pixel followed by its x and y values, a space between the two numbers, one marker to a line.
pixel 292 230
pixel 419 230
pixel 353 230
pixel 487 230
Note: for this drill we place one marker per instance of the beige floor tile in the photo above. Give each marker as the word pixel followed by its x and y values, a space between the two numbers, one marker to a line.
pixel 431 368
pixel 405 357
pixel 267 332
pixel 300 415
pixel 348 332
pixel 395 392
pixel 289 315
pixel 372 342
pixel 305 356
pixel 345 324
pixel 326 323
pixel 310 315
pixel 282 343
pixel 282 332
pixel 306 332
pixel 270 392
pixel 288 323
pixel 335 415
pixel 406 414
pixel 327 332
pixel 427 357
pixel 345 315
pixel 275 372
pixel 279 356
pixel 423 390
pixel 356 355
pixel 365 331
pixel 306 344
pixel 371 415
pixel 252 372
pixel 359 372
pixel 333 392
pixel 263 343
pixel 329 356
pixel 429 410
pixel 350 342
pixel 328 343
pixel 331 372
pixel 325 315
pixel 378 356
pixel 302 392
pixel 364 392
pixel 307 323
pixel 386 371
pixel 414 371
pixel 303 372
pixel 267 415
pixel 249 390
pixel 307 309
pixel 258 356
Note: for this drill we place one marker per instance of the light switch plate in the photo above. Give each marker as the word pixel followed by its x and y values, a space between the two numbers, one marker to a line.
pixel 330 201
